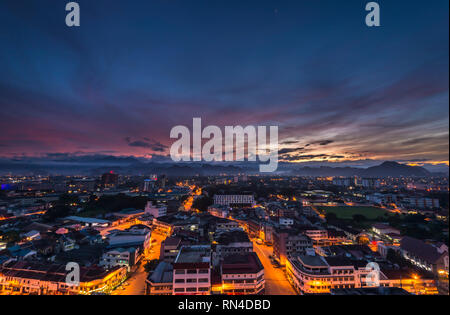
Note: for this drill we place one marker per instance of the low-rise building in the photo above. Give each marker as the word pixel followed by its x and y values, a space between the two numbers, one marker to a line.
pixel 160 281
pixel 232 242
pixel 242 274
pixel 50 279
pixel 384 229
pixel 138 238
pixel 287 242
pixel 425 256
pixel 310 274
pixel 234 200
pixel 155 211
pixel 220 211
pixel 192 271
pixel 170 248
pixel 120 257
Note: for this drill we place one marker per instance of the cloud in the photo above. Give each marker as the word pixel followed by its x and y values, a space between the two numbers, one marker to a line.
pixel 308 157
pixel 288 142
pixel 147 143
pixel 289 150
pixel 322 142
pixel 392 107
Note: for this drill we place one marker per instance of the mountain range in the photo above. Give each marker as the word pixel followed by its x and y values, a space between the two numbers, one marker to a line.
pixel 98 164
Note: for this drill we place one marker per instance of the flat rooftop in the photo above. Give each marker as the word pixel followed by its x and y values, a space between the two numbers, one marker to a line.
pixel 241 264
pixel 314 261
pixel 50 272
pixel 235 236
pixel 194 254
pixel 162 274
pixel 87 220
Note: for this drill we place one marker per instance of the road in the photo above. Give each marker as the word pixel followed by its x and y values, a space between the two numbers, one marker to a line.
pixel 123 226
pixel 135 285
pixel 276 282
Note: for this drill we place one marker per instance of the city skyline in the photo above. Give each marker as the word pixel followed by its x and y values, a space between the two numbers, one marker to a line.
pixel 341 93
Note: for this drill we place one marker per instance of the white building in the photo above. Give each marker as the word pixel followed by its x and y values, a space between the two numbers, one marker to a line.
pixel 220 211
pixel 192 271
pixel 234 200
pixel 241 275
pixel 121 257
pixel 155 211
pixel 371 183
pixel 384 229
pixel 132 238
pixel 421 203
pixel 317 234
pixel 319 275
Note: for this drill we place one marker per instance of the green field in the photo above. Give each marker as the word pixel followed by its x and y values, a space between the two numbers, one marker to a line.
pixel 347 212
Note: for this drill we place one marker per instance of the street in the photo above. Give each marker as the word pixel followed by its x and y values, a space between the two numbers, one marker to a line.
pixel 135 285
pixel 276 282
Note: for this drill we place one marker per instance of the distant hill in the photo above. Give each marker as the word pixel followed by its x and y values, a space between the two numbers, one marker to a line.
pixel 395 169
pixel 392 169
pixel 98 164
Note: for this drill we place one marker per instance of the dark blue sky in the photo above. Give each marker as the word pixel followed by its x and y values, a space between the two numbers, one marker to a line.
pixel 116 85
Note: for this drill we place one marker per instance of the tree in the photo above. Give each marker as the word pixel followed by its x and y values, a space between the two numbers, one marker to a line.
pixel 67 199
pixel 58 211
pixel 115 203
pixel 11 237
pixel 359 218
pixel 330 217
pixel 202 203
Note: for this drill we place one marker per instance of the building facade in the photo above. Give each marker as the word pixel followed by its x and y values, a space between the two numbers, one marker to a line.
pixel 44 279
pixel 234 200
pixel 192 271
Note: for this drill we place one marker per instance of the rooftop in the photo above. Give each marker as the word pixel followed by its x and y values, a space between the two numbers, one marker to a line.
pixel 172 241
pixel 87 220
pixel 370 291
pixel 162 274
pixel 235 236
pixel 49 272
pixel 194 254
pixel 313 261
pixel 243 263
pixel 419 248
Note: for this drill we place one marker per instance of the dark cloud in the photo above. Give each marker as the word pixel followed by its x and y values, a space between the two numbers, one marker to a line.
pixel 147 143
pixel 140 144
pixel 89 87
pixel 289 142
pixel 289 150
pixel 322 142
pixel 307 157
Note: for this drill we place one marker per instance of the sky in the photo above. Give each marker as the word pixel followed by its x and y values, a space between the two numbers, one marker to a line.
pixel 339 91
